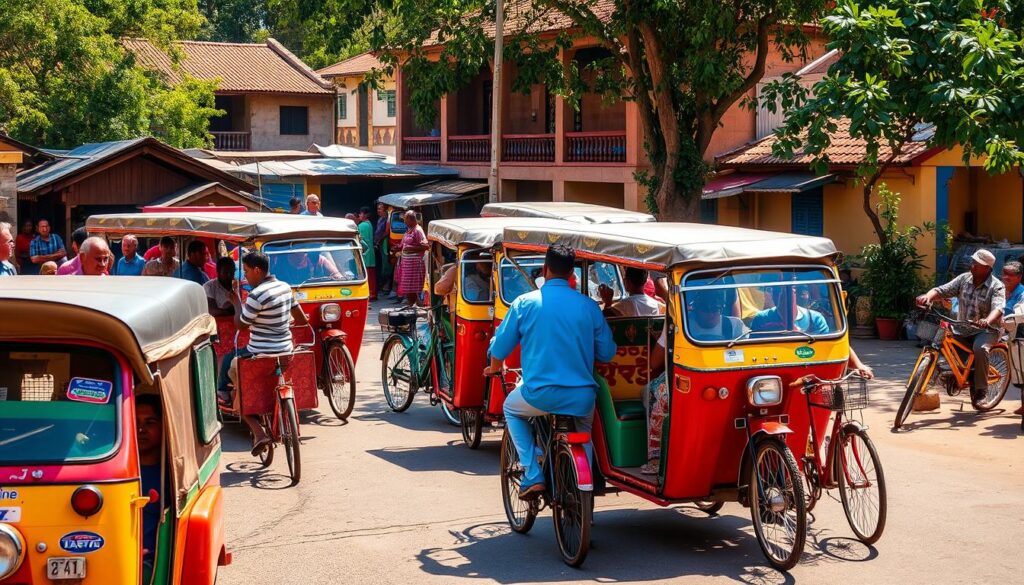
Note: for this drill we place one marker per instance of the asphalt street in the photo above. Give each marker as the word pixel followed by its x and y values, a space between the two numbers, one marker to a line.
pixel 397 498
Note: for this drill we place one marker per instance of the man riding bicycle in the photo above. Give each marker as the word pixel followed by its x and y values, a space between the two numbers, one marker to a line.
pixel 981 298
pixel 561 333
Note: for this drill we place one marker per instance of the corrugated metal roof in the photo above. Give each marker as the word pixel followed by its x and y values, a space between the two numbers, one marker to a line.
pixel 71 162
pixel 338 167
pixel 457 186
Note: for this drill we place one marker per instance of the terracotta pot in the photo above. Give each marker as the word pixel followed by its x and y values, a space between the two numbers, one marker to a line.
pixel 888 329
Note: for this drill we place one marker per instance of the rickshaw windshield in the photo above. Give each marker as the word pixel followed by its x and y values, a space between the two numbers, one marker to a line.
pixel 514 284
pixel 799 303
pixel 59 404
pixel 397 222
pixel 302 263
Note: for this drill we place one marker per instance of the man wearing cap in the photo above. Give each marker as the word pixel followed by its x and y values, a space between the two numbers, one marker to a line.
pixel 981 298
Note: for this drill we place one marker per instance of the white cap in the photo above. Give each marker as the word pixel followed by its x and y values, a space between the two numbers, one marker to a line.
pixel 983 256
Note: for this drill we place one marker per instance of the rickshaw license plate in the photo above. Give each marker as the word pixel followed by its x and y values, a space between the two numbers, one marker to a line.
pixel 58 568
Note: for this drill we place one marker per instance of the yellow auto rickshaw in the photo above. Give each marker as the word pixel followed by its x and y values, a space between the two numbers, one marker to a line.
pixel 566 210
pixel 90 492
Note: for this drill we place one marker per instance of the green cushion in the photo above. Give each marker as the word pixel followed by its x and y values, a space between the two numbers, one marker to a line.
pixel 625 427
pixel 630 410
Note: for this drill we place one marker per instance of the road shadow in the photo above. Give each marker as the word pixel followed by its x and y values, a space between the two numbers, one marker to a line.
pixel 453 456
pixel 421 416
pixel 842 548
pixel 956 420
pixel 253 474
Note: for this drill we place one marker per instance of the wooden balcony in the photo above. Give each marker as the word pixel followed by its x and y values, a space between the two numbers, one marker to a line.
pixel 231 140
pixel 421 148
pixel 528 148
pixel 475 148
pixel 595 147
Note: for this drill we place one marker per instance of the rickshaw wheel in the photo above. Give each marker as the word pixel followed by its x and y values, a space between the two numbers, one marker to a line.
pixel 472 426
pixel 290 438
pixel 521 515
pixel 572 510
pixel 857 460
pixel 339 379
pixel 709 507
pixel 998 364
pixel 777 505
pixel 914 387
pixel 266 456
pixel 395 357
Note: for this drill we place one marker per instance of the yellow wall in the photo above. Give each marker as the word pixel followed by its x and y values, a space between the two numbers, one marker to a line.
pixel 960 200
pixel 609 194
pixel 313 188
pixel 729 211
pixel 774 212
pixel 999 204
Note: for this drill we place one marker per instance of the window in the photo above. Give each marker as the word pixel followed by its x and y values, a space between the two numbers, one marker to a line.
pixel 388 96
pixel 342 106
pixel 476 278
pixel 299 263
pixel 709 211
pixel 808 213
pixel 294 120
pixel 204 392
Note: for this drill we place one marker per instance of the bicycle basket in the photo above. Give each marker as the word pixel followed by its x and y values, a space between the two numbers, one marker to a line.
pixel 849 395
pixel 399 320
pixel 929 328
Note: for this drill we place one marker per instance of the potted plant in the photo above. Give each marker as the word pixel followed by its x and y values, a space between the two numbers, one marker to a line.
pixel 892 268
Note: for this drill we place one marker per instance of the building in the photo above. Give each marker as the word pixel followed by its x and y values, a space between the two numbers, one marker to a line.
pixel 549 151
pixel 271 99
pixel 366 117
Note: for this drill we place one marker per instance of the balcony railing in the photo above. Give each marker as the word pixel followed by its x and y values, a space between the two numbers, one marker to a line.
pixel 231 140
pixel 421 148
pixel 476 148
pixel 595 147
pixel 384 135
pixel 528 148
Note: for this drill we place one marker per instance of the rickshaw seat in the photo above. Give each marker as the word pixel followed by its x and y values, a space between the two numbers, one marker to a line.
pixel 625 427
pixel 630 410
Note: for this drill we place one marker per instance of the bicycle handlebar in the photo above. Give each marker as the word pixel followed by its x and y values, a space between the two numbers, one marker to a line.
pixel 959 322
pixel 813 380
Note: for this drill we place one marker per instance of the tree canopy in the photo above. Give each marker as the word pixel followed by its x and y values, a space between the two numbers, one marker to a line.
pixel 65 79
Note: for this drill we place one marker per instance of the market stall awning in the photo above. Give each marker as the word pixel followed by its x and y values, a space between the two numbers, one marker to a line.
pixel 793 182
pixel 731 184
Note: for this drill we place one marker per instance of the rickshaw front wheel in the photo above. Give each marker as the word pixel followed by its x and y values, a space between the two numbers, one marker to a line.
pixel 521 515
pixel 472 426
pixel 778 506
pixel 339 379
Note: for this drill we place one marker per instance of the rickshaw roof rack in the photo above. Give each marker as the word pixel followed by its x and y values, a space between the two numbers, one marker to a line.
pixel 232 226
pixel 414 200
pixel 566 210
pixel 480 232
pixel 659 246
pixel 147 318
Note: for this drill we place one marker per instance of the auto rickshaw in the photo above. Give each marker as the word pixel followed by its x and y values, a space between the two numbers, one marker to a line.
pixel 565 210
pixel 428 206
pixel 735 401
pixel 318 256
pixel 76 355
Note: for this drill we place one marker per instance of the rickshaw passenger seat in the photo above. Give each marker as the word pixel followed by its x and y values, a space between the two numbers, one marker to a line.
pixel 630 410
pixel 625 427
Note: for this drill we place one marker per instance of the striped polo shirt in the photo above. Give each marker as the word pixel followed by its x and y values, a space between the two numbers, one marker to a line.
pixel 267 312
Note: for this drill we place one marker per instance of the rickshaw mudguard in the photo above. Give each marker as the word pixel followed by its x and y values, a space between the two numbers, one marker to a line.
pixel 581 464
pixel 760 427
pixel 332 334
pixel 205 538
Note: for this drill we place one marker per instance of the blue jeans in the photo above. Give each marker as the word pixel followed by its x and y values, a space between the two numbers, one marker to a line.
pixel 518 413
pixel 222 377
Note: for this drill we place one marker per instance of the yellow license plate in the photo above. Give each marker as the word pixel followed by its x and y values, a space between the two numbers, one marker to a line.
pixel 59 568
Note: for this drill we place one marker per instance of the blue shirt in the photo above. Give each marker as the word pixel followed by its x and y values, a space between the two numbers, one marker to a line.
pixel 306 212
pixel 41 247
pixel 1012 299
pixel 807 320
pixel 7 269
pixel 561 333
pixel 130 268
pixel 188 271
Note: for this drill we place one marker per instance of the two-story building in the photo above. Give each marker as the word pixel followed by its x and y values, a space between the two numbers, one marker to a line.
pixel 551 151
pixel 271 99
pixel 366 117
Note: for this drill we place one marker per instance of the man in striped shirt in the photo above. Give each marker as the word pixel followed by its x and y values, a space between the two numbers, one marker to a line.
pixel 266 314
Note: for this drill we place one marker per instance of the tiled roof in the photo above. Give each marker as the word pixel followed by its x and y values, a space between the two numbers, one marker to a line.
pixel 357 65
pixel 844 150
pixel 241 67
pixel 522 16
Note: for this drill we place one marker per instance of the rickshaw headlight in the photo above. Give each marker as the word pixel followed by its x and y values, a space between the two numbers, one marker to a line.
pixel 764 390
pixel 12 550
pixel 330 312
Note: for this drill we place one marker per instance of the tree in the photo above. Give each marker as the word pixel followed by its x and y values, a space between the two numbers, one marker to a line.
pixel 65 79
pixel 946 72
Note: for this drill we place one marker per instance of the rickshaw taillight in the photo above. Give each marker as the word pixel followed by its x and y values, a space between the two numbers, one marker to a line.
pixel 86 501
pixel 578 438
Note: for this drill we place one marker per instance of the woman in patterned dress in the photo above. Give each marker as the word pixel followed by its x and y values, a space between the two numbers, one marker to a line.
pixel 413 271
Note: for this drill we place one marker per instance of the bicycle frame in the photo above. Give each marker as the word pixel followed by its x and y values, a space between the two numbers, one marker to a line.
pixel 825 471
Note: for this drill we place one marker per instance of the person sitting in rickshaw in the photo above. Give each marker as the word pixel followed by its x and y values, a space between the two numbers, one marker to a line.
pixel 149 428
pixel 220 290
pixel 637 304
pixel 300 267
pixel 779 317
pixel 706 321
pixel 265 315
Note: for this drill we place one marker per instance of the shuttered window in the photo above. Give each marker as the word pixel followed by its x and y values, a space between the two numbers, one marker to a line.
pixel 342 106
pixel 808 213
pixel 294 120
pixel 709 211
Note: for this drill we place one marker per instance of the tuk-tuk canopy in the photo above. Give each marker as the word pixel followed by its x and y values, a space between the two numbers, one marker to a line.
pixel 415 200
pixel 235 227
pixel 480 232
pixel 565 210
pixel 660 246
pixel 146 318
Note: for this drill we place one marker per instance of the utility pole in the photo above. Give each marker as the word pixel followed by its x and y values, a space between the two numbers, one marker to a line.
pixel 499 41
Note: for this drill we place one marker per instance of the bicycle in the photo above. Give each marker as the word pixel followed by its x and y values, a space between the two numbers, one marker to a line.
pixel 955 360
pixel 567 475
pixel 407 365
pixel 851 460
pixel 281 424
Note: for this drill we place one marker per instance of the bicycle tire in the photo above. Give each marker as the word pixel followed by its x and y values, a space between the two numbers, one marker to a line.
pixel 711 508
pixel 451 414
pixel 812 483
pixel 777 460
pixel 572 510
pixel 997 355
pixel 915 386
pixel 868 533
pixel 398 399
pixel 266 456
pixel 521 515
pixel 472 422
pixel 290 438
pixel 339 379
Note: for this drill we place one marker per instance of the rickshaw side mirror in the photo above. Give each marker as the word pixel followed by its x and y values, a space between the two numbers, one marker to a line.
pixel 154 496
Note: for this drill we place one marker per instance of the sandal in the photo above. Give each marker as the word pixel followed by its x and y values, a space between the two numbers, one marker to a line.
pixel 651 467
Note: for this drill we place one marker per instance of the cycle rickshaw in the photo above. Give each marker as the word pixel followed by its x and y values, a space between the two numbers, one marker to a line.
pixel 733 416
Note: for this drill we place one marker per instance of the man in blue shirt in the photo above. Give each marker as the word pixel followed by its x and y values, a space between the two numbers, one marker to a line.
pixel 1014 291
pixel 192 267
pixel 312 205
pixel 776 319
pixel 561 334
pixel 130 264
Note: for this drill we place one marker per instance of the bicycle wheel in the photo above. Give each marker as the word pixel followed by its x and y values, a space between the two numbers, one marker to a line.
pixel 812 483
pixel 451 414
pixel 520 514
pixel 861 485
pixel 918 382
pixel 472 420
pixel 267 455
pixel 398 374
pixel 290 438
pixel 777 504
pixel 572 510
pixel 709 507
pixel 998 379
pixel 339 379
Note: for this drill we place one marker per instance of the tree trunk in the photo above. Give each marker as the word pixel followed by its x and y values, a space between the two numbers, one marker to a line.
pixel 869 209
pixel 674 204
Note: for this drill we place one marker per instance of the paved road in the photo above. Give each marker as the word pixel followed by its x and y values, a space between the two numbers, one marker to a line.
pixel 397 498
